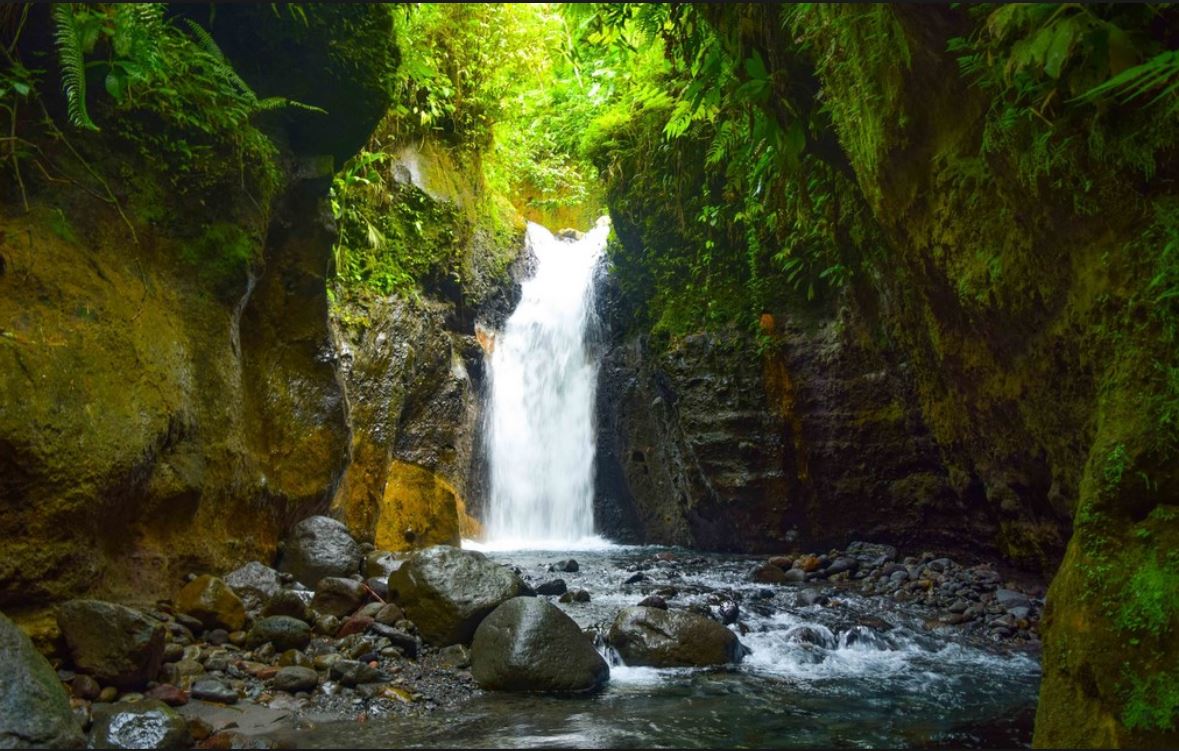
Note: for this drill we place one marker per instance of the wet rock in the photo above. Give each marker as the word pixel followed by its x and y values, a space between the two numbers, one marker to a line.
pixel 809 597
pixel 1019 612
pixel 672 638
pixel 119 646
pixel 958 606
pixel 357 624
pixel 842 564
pixel 108 694
pixel 447 592
pixel 569 566
pixel 866 638
pixel 528 644
pixel 296 678
pixel 282 631
pixel 768 573
pixel 405 643
pixel 378 585
pixel 940 565
pixel 217 637
pixel 354 673
pixel 389 614
pixel 808 563
pixel 327 625
pixel 294 657
pixel 635 578
pixel 85 687
pixel 255 583
pixel 212 602
pixel 338 596
pixel 320 546
pixel 145 724
pixel 729 612
pixel 34 708
pixel 286 602
pixel 814 634
pixel 455 656
pixel 168 694
pixel 653 601
pixel 575 595
pixel 552 588
pixel 380 563
pixel 872 554
pixel 1009 598
pixel 793 576
pixel 214 689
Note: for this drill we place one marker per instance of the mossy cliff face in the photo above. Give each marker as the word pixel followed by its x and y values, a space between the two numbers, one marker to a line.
pixel 1017 322
pixel 169 401
pixel 413 360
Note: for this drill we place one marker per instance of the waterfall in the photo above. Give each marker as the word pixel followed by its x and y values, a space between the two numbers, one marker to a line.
pixel 540 426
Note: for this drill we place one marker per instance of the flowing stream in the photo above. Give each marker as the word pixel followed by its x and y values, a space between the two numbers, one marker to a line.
pixel 540 426
pixel 849 671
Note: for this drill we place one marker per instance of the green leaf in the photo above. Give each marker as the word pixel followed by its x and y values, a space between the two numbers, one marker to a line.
pixel 755 67
pixel 21 88
pixel 1061 45
pixel 116 84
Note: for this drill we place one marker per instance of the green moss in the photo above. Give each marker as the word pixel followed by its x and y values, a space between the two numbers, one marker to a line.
pixel 222 253
pixel 1151 598
pixel 1152 703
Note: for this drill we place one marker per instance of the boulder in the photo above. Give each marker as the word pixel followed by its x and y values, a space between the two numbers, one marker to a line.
pixel 34 709
pixel 212 602
pixel 552 588
pixel 446 592
pixel 768 573
pixel 320 546
pixel 255 583
pixel 143 724
pixel 528 644
pixel 672 638
pixel 338 596
pixel 119 646
pixel 282 631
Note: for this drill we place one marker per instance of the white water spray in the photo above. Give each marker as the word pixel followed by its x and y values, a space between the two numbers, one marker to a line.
pixel 540 429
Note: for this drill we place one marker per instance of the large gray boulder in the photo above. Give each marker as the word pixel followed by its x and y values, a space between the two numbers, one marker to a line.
pixel 320 546
pixel 255 583
pixel 672 638
pixel 116 645
pixel 446 592
pixel 34 708
pixel 143 724
pixel 529 644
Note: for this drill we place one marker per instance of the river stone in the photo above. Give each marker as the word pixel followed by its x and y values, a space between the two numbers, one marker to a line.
pixel 212 602
pixel 144 724
pixel 296 678
pixel 528 644
pixel 337 596
pixel 381 563
pixel 287 602
pixel 255 583
pixel 214 689
pixel 768 573
pixel 354 673
pixel 872 554
pixel 320 546
pixel 551 588
pixel 282 631
pixel 119 646
pixel 34 709
pixel 446 592
pixel 672 638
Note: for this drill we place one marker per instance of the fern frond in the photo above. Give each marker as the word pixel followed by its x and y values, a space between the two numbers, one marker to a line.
pixel 1159 72
pixel 223 65
pixel 73 65
pixel 279 102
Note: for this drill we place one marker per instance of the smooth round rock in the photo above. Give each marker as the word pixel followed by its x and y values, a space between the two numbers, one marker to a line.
pixel 144 724
pixel 296 678
pixel 282 631
pixel 119 646
pixel 446 592
pixel 528 644
pixel 34 707
pixel 320 546
pixel 338 596
pixel 214 689
pixel 672 638
pixel 286 602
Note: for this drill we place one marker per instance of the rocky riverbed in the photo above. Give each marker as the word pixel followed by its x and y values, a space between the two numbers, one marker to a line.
pixel 344 644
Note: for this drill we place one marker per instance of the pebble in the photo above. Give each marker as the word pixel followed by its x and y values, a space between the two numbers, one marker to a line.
pixel 85 687
pixel 296 678
pixel 214 689
pixel 108 694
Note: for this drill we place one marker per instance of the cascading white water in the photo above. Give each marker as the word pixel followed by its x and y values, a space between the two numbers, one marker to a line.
pixel 540 427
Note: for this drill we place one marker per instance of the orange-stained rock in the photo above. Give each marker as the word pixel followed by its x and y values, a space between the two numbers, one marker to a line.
pixel 212 602
pixel 419 509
